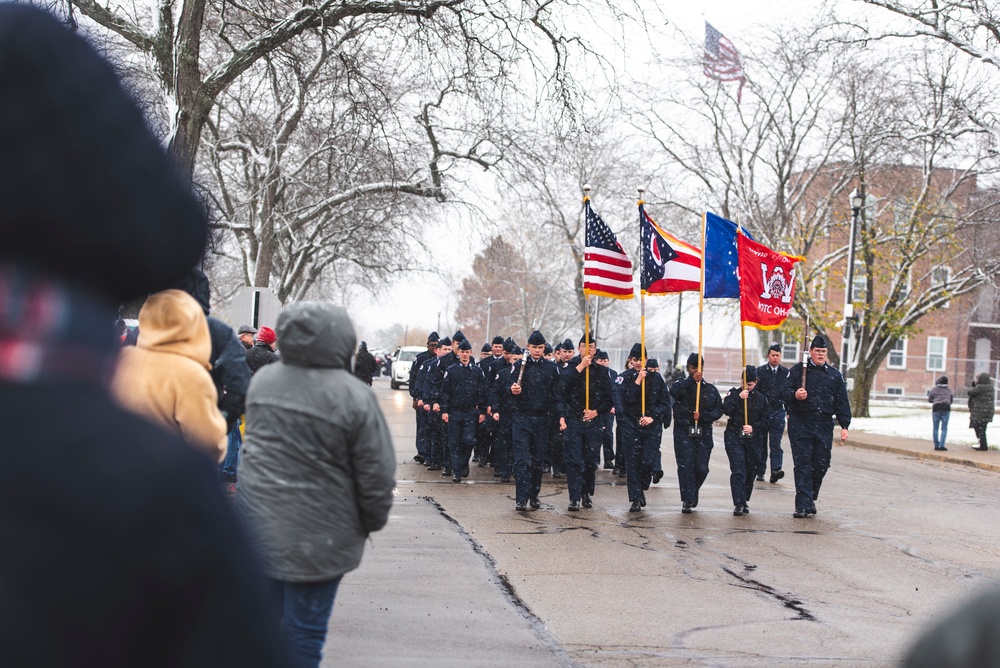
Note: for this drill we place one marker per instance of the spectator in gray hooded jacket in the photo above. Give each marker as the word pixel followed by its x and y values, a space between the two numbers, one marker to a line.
pixel 317 471
pixel 940 398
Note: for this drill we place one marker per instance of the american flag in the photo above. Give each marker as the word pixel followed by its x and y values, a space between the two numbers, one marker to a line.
pixel 722 62
pixel 607 271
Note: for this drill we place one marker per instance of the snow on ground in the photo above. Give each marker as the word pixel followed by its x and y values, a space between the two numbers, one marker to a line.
pixel 915 422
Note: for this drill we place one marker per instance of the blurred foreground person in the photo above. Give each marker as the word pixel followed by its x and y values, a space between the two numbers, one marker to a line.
pixel 967 638
pixel 317 470
pixel 118 549
pixel 165 376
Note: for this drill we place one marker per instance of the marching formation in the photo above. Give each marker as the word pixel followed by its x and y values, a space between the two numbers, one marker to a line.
pixel 544 409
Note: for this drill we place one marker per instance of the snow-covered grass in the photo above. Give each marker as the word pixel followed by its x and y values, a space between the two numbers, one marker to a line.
pixel 912 422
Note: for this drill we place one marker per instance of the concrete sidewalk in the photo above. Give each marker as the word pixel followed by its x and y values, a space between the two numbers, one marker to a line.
pixel 924 449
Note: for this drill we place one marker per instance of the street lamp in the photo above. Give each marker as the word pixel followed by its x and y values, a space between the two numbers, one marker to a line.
pixel 856 202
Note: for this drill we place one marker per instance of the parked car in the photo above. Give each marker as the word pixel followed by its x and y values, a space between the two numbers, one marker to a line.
pixel 402 360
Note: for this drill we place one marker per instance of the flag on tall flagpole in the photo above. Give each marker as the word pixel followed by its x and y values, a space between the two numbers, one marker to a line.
pixel 721 259
pixel 767 284
pixel 668 264
pixel 722 61
pixel 607 270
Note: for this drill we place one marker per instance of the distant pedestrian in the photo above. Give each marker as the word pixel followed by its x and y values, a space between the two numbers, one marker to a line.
pixel 317 472
pixel 940 397
pixel 262 353
pixel 981 407
pixel 365 365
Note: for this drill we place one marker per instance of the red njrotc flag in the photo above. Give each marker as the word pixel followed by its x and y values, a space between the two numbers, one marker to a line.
pixel 722 62
pixel 607 271
pixel 767 284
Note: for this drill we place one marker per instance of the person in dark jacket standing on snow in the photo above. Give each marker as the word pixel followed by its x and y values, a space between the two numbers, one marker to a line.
pixel 982 405
pixel 940 398
pixel 118 548
pixel 812 407
pixel 317 473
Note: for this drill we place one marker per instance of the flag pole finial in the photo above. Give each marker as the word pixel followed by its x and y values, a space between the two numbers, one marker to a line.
pixel 641 190
pixel 586 192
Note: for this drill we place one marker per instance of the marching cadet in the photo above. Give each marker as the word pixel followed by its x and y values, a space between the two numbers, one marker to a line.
pixel 693 431
pixel 463 408
pixel 484 431
pixel 584 426
pixel 423 442
pixel 534 387
pixel 492 366
pixel 440 460
pixel 743 436
pixel 812 406
pixel 608 435
pixel 502 404
pixel 556 459
pixel 771 379
pixel 642 431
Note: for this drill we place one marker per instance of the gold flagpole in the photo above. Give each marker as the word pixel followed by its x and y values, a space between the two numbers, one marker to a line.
pixel 701 309
pixel 642 313
pixel 586 309
pixel 743 339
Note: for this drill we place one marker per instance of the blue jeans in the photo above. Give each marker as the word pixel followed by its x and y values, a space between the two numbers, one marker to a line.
pixel 229 465
pixel 940 423
pixel 302 612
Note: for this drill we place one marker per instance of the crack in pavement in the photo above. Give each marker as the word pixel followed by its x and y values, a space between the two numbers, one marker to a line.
pixel 507 589
pixel 787 601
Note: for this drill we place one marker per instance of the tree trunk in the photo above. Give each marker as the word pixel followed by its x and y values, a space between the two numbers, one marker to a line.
pixel 864 378
pixel 192 109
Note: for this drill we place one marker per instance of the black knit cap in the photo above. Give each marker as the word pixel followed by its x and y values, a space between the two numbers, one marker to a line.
pixel 559 346
pixel 509 345
pixel 548 348
pixel 567 344
pixel 750 374
pixel 818 342
pixel 652 363
pixel 458 337
pixel 693 361
pixel 464 345
pixel 497 340
pixel 601 355
pixel 585 337
pixel 444 342
pixel 636 351
pixel 536 339
pixel 775 347
pixel 486 348
pixel 433 336
pixel 88 193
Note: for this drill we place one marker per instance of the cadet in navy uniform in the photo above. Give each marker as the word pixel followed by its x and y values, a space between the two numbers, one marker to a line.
pixel 608 435
pixel 771 379
pixel 430 393
pixel 555 461
pixel 693 451
pixel 481 453
pixel 642 431
pixel 491 365
pixel 536 393
pixel 584 425
pixel 463 407
pixel 423 443
pixel 503 413
pixel 811 410
pixel 744 432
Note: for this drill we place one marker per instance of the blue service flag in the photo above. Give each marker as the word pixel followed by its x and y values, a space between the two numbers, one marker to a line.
pixel 656 253
pixel 721 258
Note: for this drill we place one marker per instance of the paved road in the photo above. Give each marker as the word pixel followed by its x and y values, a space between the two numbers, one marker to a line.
pixel 897 539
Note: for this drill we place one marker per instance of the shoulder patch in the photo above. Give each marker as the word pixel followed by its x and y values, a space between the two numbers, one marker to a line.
pixel 618 380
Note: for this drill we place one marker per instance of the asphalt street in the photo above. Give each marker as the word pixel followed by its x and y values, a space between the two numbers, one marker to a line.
pixel 459 578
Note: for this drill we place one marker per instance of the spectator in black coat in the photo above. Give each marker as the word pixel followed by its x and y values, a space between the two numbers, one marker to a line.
pixel 262 352
pixel 118 549
pixel 365 365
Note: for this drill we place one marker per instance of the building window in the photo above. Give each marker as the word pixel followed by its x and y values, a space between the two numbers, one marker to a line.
pixel 789 349
pixel 937 349
pixel 895 391
pixel 897 355
pixel 940 277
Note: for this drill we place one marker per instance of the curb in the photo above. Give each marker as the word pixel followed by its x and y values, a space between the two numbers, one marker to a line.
pixel 926 455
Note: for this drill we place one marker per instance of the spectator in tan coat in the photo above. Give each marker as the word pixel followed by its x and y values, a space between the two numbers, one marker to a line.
pixel 165 376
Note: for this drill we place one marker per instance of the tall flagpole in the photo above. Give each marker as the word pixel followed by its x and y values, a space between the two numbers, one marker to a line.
pixel 743 341
pixel 642 311
pixel 586 307
pixel 696 429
